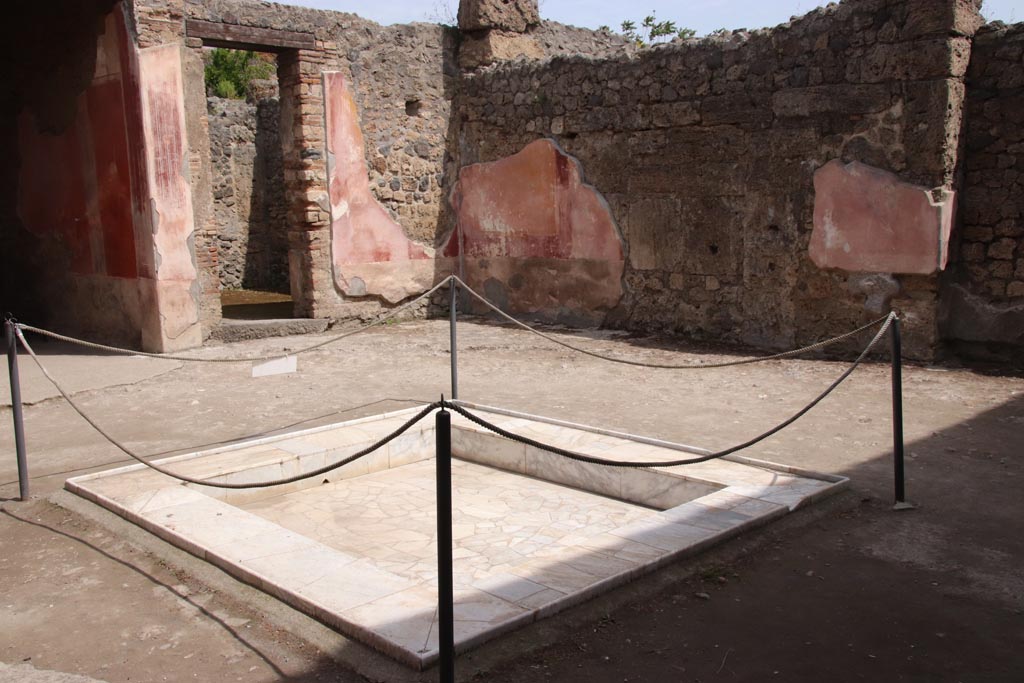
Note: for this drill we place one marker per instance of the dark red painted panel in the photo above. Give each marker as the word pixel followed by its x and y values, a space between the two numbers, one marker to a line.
pixel 113 176
pixel 51 189
pixel 132 101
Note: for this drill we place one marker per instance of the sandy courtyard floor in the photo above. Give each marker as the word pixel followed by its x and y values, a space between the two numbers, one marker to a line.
pixel 853 592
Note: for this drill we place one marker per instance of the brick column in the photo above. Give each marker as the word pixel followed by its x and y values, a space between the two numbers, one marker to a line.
pixel 305 177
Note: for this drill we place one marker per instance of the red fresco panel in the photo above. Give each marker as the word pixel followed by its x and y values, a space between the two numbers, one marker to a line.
pixel 362 231
pixel 113 176
pixel 532 204
pixel 51 189
pixel 868 220
pixel 132 102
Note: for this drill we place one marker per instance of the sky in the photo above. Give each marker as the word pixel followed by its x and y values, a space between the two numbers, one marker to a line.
pixel 703 16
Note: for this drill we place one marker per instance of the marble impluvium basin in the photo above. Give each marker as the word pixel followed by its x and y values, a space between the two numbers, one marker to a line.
pixel 534 533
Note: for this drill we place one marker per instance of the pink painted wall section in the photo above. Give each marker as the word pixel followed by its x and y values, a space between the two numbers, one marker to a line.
pixel 536 237
pixel 140 205
pixel 532 205
pixel 371 254
pixel 868 220
pixel 173 322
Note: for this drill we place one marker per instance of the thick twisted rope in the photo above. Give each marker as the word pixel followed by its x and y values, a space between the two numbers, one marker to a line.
pixel 248 359
pixel 225 485
pixel 454 280
pixel 580 457
pixel 664 366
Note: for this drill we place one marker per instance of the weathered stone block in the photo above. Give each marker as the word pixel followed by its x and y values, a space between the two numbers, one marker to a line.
pixel 651 224
pixel 868 220
pixel 939 57
pixel 496 46
pixel 1002 249
pixel 930 17
pixel 509 15
pixel 848 99
pixel 972 251
pixel 933 115
pixel 739 108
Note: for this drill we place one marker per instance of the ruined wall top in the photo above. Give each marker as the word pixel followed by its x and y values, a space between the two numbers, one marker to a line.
pixel 509 15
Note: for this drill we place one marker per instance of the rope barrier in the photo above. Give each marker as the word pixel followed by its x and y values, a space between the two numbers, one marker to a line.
pixel 225 485
pixel 661 366
pixel 686 461
pixel 452 280
pixel 443 404
pixel 248 359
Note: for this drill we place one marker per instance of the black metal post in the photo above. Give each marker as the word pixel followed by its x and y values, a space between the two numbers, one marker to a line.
pixel 453 342
pixel 897 415
pixel 445 588
pixel 19 422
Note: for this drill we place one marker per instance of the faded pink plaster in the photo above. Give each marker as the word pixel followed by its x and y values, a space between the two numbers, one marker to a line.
pixel 532 205
pixel 132 91
pixel 868 220
pixel 371 253
pixel 531 231
pixel 176 323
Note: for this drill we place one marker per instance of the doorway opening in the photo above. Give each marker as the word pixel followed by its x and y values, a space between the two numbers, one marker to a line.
pixel 250 207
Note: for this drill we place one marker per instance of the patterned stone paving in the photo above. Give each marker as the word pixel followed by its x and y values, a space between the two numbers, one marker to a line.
pixel 500 519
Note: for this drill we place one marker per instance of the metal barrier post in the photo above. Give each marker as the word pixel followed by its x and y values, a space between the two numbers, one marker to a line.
pixel 445 588
pixel 19 422
pixel 897 417
pixel 453 345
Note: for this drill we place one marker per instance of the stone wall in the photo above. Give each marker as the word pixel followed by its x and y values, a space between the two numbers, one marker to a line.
pixel 706 151
pixel 984 299
pixel 560 40
pixel 248 193
pixel 700 161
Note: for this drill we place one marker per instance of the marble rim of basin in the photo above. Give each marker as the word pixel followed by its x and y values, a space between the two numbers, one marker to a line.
pixel 689 509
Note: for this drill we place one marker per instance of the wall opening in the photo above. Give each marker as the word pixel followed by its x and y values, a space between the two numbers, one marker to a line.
pixel 249 203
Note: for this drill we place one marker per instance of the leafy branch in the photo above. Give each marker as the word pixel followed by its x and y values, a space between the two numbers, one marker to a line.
pixel 651 31
pixel 230 73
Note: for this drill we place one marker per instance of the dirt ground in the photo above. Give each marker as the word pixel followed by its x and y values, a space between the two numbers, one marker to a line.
pixel 848 590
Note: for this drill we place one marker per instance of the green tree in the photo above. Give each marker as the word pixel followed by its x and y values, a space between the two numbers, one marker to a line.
pixel 652 31
pixel 229 73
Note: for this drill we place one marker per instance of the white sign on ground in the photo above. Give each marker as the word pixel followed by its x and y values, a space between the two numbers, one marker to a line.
pixel 278 366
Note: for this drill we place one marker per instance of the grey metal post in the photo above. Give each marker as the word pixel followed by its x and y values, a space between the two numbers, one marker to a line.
pixel 445 581
pixel 897 417
pixel 19 423
pixel 454 342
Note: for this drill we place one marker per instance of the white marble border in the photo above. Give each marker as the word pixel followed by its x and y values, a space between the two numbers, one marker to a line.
pixel 704 505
